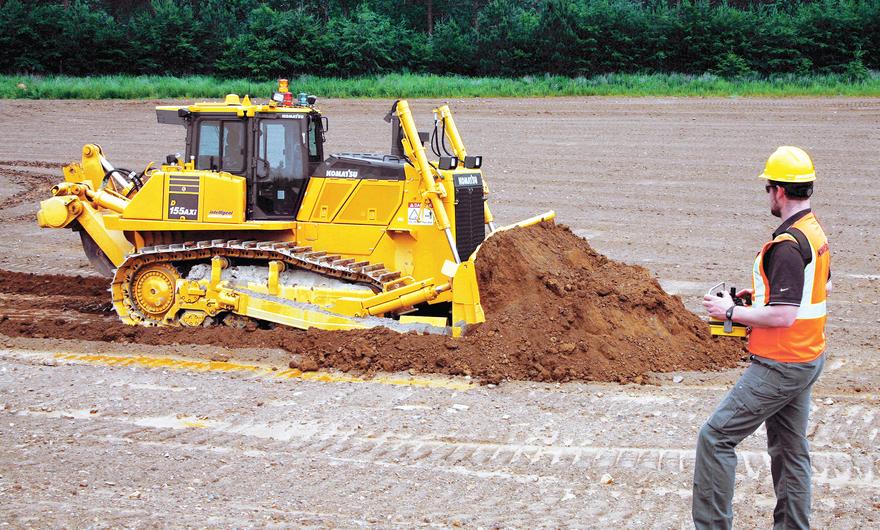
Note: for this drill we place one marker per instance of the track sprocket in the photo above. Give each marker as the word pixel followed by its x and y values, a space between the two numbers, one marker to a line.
pixel 149 293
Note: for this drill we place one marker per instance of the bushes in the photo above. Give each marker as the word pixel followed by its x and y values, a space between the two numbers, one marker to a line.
pixel 273 44
pixel 732 66
pixel 165 37
pixel 19 40
pixel 507 38
pixel 267 39
pixel 452 49
pixel 368 43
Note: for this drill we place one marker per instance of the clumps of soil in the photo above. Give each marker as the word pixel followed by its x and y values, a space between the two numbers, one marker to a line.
pixel 42 285
pixel 556 310
pixel 31 163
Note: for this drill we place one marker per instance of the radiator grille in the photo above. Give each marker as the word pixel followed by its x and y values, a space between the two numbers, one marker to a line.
pixel 470 224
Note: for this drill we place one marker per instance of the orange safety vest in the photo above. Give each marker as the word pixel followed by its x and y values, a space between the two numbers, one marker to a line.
pixel 804 340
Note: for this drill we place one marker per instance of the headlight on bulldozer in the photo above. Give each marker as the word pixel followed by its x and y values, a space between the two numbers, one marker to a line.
pixel 57 212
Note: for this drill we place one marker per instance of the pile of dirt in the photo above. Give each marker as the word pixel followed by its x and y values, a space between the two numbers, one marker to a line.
pixel 556 310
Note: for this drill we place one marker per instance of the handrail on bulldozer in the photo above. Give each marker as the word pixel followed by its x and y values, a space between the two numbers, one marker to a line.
pixel 443 114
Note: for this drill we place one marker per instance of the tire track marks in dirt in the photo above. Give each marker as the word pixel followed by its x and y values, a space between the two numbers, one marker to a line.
pixel 356 452
pixel 34 185
pixel 440 453
pixel 456 478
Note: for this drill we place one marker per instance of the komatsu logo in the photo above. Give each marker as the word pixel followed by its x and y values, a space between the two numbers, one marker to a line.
pixel 468 179
pixel 343 173
pixel 181 211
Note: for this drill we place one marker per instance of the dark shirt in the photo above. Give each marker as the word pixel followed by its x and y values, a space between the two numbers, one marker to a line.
pixel 784 267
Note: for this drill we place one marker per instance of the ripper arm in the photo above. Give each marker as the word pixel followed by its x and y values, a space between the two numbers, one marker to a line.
pixel 80 198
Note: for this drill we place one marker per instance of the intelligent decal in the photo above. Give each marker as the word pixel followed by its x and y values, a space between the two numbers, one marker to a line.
pixel 222 214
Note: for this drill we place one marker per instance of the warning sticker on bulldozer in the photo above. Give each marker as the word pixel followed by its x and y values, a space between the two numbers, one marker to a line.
pixel 427 214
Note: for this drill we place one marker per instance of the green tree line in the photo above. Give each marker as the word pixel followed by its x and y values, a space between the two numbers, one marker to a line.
pixel 345 38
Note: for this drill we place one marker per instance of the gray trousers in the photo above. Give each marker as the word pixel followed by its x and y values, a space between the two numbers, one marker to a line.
pixel 778 395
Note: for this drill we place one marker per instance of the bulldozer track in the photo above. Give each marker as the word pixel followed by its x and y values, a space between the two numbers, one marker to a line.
pixel 374 275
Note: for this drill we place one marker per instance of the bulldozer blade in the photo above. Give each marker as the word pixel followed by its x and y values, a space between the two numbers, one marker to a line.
pixel 546 216
pixel 304 315
pixel 96 256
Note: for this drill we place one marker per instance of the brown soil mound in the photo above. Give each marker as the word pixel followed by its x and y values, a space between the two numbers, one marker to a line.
pixel 556 310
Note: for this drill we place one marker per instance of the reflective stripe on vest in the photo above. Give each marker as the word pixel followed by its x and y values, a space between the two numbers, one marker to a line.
pixel 805 339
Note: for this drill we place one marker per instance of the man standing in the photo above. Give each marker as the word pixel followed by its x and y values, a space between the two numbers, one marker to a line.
pixel 790 282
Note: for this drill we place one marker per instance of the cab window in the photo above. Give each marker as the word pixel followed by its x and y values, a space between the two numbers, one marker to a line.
pixel 279 143
pixel 282 158
pixel 221 146
pixel 313 138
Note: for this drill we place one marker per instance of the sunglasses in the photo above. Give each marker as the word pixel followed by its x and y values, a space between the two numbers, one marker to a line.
pixel 769 187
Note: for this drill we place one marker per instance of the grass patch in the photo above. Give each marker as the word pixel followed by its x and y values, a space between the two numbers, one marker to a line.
pixel 432 86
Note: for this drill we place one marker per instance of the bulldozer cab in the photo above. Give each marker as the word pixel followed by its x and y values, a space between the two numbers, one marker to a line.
pixel 274 148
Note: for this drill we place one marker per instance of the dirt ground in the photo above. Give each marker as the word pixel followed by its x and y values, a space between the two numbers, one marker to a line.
pixel 105 432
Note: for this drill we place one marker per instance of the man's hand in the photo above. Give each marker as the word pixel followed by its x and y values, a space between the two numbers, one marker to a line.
pixel 750 292
pixel 717 306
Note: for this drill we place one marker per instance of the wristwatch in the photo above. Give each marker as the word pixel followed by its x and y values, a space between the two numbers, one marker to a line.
pixel 728 319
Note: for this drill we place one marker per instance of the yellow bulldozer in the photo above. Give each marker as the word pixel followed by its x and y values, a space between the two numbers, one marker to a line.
pixel 253 223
